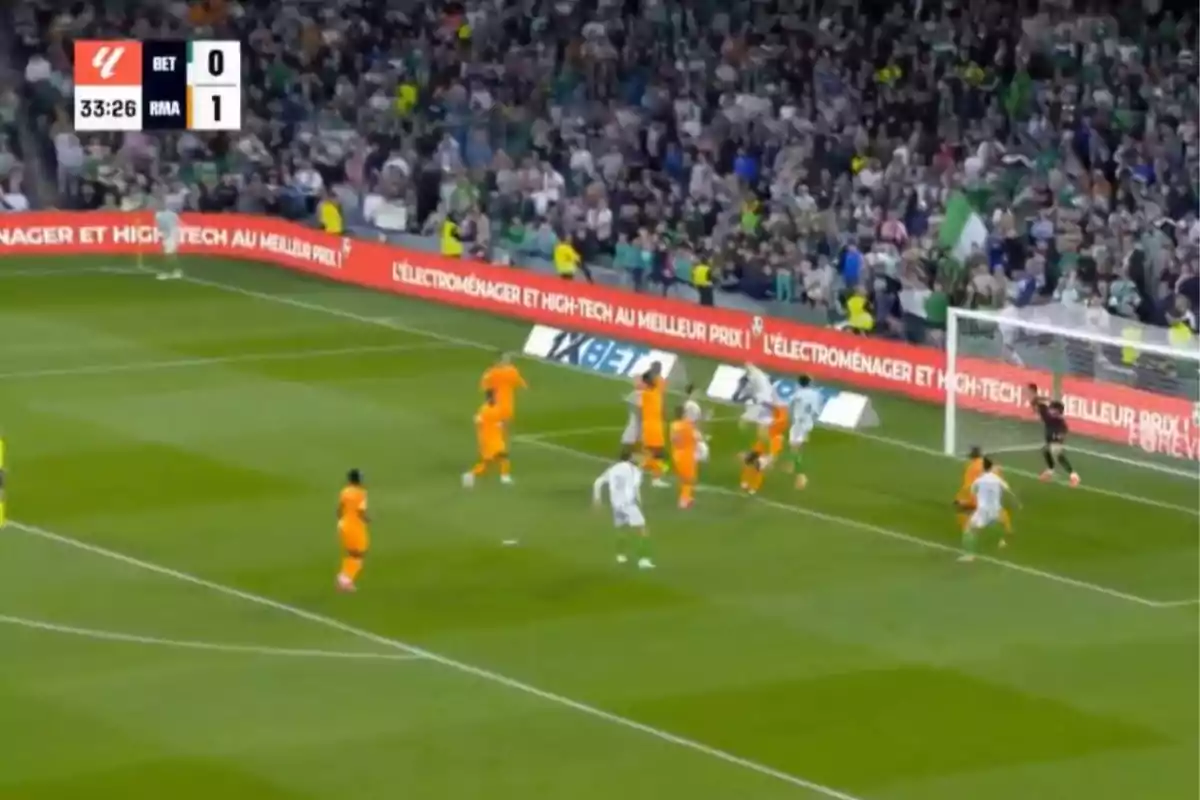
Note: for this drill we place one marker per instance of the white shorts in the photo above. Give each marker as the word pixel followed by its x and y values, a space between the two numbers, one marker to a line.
pixel 633 431
pixel 628 517
pixel 798 436
pixel 984 517
pixel 170 243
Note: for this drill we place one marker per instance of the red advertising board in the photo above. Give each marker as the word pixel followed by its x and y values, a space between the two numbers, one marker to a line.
pixel 1107 411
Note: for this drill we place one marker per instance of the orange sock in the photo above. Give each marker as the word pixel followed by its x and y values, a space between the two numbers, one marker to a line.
pixel 962 521
pixel 1006 520
pixel 479 468
pixel 747 472
pixel 686 493
pixel 656 466
pixel 351 567
pixel 505 466
pixel 756 480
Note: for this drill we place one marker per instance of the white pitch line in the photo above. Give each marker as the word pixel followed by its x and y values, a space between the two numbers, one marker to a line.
pixel 460 666
pixel 54 273
pixel 1195 601
pixel 191 644
pixel 457 340
pixel 540 440
pixel 183 363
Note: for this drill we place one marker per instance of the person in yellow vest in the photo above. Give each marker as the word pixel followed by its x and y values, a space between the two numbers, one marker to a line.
pixel 702 280
pixel 858 312
pixel 1180 322
pixel 566 259
pixel 1129 355
pixel 330 215
pixel 451 244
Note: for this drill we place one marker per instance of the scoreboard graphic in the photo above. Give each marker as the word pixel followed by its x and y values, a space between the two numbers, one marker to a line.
pixel 158 85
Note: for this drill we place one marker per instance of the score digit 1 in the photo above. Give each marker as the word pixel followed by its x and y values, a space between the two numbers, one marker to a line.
pixel 215 86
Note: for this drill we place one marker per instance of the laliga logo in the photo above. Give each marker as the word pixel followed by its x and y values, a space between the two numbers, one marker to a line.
pixel 106 59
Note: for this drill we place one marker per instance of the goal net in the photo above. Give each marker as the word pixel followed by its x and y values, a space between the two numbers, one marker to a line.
pixel 1131 391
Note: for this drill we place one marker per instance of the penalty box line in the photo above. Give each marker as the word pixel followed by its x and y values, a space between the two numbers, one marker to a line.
pixel 543 440
pixel 242 358
pixel 194 644
pixel 445 661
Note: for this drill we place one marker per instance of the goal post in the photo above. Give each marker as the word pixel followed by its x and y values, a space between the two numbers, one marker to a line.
pixel 1131 391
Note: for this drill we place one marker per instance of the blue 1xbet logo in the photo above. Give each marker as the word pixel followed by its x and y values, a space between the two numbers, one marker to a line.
pixel 595 353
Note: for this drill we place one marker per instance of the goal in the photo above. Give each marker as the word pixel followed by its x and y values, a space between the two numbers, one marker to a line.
pixel 1131 393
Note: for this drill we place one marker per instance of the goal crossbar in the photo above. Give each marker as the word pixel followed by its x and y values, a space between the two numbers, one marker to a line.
pixel 1190 353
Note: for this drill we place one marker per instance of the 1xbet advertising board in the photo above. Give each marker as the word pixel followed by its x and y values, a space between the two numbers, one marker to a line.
pixel 1103 410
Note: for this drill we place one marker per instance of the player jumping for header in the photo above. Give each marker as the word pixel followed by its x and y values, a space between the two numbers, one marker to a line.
pixel 1054 426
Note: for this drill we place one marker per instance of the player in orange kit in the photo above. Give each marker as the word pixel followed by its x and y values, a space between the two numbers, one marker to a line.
pixel 964 501
pixel 489 431
pixel 504 379
pixel 352 530
pixel 652 388
pixel 766 448
pixel 685 441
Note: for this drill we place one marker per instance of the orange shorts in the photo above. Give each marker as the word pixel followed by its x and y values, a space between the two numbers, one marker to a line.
pixel 653 437
pixel 354 539
pixel 490 449
pixel 686 469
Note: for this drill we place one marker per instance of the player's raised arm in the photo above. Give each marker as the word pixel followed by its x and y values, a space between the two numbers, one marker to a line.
pixel 598 486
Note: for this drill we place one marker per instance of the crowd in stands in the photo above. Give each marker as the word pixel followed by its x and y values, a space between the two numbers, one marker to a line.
pixel 798 153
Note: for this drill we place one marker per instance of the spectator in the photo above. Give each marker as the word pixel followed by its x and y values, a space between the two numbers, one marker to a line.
pixel 566 260
pixel 797 153
pixel 859 314
pixel 330 215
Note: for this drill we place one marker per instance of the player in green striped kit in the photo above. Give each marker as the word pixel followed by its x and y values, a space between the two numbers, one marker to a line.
pixel 805 410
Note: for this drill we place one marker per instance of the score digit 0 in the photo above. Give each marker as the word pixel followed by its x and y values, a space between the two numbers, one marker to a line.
pixel 216 86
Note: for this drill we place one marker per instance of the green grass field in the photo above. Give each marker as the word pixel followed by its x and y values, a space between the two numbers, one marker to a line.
pixel 169 629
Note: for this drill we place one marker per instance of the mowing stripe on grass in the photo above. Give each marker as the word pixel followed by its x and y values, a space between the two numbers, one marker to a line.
pixel 183 363
pixel 540 440
pixel 388 322
pixel 191 644
pixel 461 666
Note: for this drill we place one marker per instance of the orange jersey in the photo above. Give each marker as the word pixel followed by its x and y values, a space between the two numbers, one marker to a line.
pixel 503 380
pixel 352 507
pixel 684 440
pixel 352 518
pixel 489 429
pixel 971 474
pixel 652 401
pixel 779 421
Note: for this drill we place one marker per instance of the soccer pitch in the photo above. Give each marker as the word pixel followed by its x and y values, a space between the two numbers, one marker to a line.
pixel 169 626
